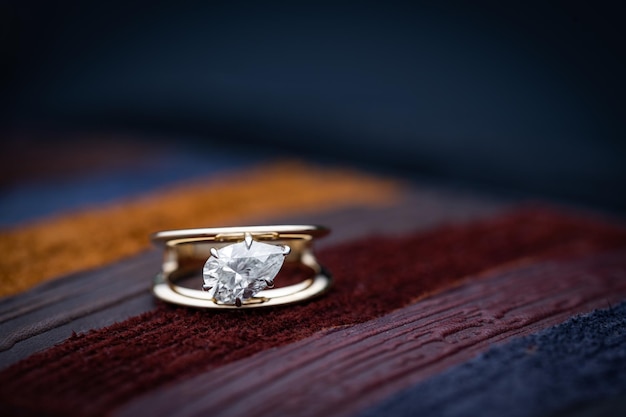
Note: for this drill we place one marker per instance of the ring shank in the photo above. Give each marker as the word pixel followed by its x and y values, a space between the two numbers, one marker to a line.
pixel 166 291
pixel 301 231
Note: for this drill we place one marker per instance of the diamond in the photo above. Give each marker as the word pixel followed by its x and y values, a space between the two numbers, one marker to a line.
pixel 239 271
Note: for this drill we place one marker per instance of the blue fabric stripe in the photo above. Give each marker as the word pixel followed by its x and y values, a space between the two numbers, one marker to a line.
pixel 580 362
pixel 29 201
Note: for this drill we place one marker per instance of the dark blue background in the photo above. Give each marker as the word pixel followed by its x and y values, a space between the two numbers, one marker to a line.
pixel 518 97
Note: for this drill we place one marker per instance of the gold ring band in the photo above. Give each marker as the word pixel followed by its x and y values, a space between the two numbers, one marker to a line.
pixel 233 282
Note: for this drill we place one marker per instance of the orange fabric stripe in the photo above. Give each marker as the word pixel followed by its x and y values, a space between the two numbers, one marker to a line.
pixel 77 241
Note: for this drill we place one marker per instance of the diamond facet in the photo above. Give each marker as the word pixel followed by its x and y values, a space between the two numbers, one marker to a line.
pixel 239 272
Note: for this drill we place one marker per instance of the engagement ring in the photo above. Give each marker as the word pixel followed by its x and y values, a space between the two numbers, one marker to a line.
pixel 240 266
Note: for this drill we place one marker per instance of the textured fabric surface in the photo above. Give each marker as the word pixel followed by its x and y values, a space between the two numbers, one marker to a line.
pixel 91 238
pixel 549 373
pixel 96 372
pixel 348 369
pixel 426 278
pixel 51 312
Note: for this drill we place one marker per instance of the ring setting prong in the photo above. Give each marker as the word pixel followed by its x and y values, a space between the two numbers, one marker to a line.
pixel 214 252
pixel 248 239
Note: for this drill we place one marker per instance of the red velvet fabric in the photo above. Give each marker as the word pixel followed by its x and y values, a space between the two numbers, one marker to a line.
pixel 91 374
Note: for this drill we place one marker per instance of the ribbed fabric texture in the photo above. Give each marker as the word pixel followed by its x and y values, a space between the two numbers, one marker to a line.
pixel 91 374
pixel 92 238
pixel 350 369
pixel 553 372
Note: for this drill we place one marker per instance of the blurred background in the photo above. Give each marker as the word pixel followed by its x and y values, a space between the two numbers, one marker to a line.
pixel 512 98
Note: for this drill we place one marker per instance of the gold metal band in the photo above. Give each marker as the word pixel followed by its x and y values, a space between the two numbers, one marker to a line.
pixel 186 250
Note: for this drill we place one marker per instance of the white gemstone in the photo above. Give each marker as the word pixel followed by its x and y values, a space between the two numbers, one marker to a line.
pixel 240 272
